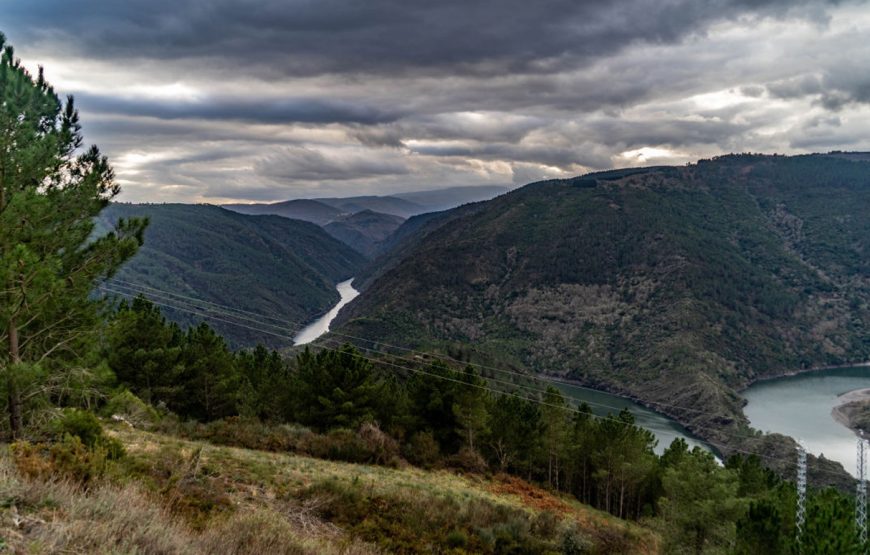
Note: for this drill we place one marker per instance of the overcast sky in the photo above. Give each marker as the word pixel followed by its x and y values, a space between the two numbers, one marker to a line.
pixel 219 100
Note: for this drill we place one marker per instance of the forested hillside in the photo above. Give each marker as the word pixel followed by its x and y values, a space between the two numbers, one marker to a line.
pixel 268 265
pixel 674 285
pixel 365 231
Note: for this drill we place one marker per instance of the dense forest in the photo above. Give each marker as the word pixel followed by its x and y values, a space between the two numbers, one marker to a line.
pixel 677 286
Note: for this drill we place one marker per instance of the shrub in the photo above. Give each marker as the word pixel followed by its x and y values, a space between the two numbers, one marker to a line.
pixel 257 532
pixel 384 449
pixel 68 459
pixel 456 539
pixel 86 427
pixel 468 460
pixel 575 543
pixel 78 423
pixel 132 409
pixel 370 445
pixel 422 450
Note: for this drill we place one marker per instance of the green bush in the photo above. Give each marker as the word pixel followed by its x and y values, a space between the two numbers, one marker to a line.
pixel 86 427
pixel 422 450
pixel 132 409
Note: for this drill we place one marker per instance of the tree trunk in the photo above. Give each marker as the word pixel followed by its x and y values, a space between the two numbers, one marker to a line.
pixel 15 420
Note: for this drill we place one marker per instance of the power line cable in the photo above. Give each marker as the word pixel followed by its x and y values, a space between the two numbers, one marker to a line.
pixel 495 391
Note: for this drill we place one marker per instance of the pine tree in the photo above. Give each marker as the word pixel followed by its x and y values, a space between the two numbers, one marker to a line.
pixel 336 388
pixel 50 192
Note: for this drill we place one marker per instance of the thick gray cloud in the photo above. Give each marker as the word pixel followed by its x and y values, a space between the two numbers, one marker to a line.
pixel 211 100
pixel 293 37
pixel 261 110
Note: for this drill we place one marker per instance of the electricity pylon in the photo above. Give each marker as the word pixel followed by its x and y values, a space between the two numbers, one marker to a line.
pixel 801 509
pixel 861 494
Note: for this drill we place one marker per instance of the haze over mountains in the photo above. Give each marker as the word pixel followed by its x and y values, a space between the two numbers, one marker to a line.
pixel 364 221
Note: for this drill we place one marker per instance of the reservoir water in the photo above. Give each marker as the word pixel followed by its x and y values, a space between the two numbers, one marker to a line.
pixel 320 326
pixel 800 406
pixel 602 404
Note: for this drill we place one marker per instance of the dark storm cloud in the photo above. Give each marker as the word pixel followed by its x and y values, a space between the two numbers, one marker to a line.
pixel 262 110
pixel 302 37
pixel 305 164
pixel 274 99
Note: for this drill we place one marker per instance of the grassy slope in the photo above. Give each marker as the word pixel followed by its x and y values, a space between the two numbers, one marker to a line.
pixel 194 497
pixel 264 264
pixel 677 286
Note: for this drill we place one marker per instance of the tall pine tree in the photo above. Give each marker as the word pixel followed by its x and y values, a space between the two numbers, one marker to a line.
pixel 50 191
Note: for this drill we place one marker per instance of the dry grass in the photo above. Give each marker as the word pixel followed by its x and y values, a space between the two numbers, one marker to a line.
pixel 178 496
pixel 60 517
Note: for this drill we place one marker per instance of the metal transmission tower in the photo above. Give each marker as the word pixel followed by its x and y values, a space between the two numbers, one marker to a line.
pixel 801 509
pixel 861 494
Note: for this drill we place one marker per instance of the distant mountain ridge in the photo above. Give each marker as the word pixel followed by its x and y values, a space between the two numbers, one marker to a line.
pixel 301 209
pixel 366 222
pixel 436 200
pixel 676 286
pixel 383 204
pixel 365 231
pixel 267 265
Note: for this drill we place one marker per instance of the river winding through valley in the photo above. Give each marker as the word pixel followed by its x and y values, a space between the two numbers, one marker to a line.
pixel 798 406
pixel 320 326
pixel 602 404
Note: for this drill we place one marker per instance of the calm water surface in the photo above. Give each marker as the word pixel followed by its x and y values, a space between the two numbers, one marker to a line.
pixel 602 404
pixel 321 325
pixel 800 407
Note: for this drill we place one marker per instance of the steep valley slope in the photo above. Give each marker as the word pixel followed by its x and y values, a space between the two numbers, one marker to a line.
pixel 677 286
pixel 267 265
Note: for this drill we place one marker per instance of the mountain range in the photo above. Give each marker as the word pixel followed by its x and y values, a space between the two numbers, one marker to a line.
pixel 676 286
pixel 363 222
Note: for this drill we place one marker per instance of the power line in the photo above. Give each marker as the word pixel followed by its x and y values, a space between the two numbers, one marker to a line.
pixel 499 392
pixel 533 378
pixel 380 361
pixel 283 320
pixel 449 358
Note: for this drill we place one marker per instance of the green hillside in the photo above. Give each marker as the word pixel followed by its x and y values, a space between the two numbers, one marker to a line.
pixel 365 230
pixel 675 285
pixel 268 265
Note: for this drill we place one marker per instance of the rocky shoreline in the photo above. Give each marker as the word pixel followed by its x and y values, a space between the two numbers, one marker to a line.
pixel 853 410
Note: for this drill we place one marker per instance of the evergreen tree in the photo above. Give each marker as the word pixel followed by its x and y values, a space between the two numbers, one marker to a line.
pixel 210 382
pixel 471 407
pixel 515 432
pixel 143 350
pixel 335 388
pixel 700 505
pixel 265 380
pixel 554 417
pixel 433 396
pixel 50 192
